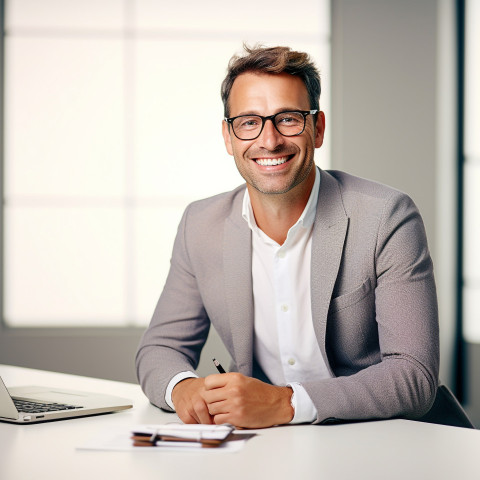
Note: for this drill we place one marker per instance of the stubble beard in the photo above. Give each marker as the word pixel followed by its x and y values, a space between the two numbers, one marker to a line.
pixel 298 177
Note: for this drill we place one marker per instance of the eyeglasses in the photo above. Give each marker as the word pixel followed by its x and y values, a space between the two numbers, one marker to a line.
pixel 289 124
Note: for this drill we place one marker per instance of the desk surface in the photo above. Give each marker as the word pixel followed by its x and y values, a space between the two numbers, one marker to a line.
pixel 393 449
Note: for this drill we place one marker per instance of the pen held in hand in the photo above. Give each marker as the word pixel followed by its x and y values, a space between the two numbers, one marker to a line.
pixel 219 367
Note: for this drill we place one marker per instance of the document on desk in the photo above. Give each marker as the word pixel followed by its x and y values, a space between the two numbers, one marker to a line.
pixel 207 436
pixel 170 437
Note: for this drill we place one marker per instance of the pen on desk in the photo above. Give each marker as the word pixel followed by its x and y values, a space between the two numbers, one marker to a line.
pixel 219 367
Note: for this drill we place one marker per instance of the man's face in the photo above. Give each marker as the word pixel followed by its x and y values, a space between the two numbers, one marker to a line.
pixel 265 94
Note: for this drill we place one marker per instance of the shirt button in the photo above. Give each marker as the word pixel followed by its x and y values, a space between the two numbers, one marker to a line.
pixel 291 361
pixel 284 308
pixel 281 254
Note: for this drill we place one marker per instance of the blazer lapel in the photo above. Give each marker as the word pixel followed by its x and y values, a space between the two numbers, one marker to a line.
pixel 329 232
pixel 237 263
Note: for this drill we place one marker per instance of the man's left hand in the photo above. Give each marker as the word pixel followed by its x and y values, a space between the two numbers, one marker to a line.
pixel 247 402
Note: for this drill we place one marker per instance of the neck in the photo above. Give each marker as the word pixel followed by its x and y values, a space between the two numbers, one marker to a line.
pixel 275 214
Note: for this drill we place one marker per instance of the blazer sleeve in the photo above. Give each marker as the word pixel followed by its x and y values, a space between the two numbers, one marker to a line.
pixel 178 329
pixel 403 381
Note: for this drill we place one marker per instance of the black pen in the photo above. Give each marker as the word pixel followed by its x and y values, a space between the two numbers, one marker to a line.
pixel 219 367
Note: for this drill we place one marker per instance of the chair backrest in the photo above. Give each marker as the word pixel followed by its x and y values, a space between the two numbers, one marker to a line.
pixel 446 410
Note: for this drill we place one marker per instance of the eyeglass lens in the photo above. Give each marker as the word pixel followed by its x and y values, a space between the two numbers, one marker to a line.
pixel 287 123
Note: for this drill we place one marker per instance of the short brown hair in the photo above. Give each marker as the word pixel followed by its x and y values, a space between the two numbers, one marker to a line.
pixel 273 60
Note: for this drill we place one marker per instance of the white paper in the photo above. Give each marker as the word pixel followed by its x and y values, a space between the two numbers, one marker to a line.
pixel 120 440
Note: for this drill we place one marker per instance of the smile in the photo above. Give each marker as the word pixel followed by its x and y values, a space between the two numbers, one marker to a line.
pixel 271 161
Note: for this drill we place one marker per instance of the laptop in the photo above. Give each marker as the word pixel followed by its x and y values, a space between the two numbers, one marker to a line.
pixel 40 404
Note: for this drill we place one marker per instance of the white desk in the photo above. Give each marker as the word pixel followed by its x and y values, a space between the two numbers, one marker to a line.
pixel 395 449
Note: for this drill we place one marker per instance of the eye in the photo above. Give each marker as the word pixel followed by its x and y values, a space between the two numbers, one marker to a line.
pixel 289 119
pixel 247 123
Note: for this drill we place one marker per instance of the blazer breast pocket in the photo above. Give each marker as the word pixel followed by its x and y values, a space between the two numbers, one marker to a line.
pixel 350 298
pixel 352 332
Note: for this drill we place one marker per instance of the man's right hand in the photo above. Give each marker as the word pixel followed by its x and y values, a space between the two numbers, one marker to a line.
pixel 187 398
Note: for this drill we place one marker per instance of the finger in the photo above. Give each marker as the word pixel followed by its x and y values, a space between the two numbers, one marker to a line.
pixel 218 408
pixel 201 412
pixel 186 417
pixel 216 380
pixel 215 395
pixel 223 418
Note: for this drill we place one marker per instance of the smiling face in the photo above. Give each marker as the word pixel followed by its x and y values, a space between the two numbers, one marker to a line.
pixel 272 163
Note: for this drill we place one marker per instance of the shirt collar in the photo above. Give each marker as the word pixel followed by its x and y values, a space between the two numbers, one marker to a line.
pixel 306 218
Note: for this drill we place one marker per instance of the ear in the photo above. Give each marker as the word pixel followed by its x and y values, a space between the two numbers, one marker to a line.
pixel 319 129
pixel 227 137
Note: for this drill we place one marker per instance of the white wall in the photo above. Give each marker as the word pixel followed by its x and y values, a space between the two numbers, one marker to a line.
pixel 393 103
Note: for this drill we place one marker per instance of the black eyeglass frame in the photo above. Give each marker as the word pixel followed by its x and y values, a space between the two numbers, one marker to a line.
pixel 305 113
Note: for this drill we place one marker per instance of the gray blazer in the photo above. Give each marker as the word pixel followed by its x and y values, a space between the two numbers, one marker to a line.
pixel 373 296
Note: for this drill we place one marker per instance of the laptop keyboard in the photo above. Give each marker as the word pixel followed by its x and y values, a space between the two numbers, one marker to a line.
pixel 28 406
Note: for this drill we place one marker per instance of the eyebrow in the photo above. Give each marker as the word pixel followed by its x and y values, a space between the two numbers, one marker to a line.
pixel 280 110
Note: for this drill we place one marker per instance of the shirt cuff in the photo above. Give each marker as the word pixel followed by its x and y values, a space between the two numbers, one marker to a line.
pixel 173 382
pixel 305 411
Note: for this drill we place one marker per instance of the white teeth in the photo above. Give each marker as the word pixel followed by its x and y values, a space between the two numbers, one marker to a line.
pixel 271 161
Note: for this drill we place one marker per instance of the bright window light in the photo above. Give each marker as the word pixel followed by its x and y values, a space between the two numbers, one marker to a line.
pixel 112 126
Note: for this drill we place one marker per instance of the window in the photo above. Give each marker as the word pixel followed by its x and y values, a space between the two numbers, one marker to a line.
pixel 112 125
pixel 471 142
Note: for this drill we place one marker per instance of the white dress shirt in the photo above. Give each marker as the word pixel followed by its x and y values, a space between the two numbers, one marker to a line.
pixel 285 344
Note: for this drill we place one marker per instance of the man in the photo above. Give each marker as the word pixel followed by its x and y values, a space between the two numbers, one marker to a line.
pixel 319 283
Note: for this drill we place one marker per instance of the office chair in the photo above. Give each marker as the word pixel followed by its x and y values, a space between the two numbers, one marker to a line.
pixel 446 410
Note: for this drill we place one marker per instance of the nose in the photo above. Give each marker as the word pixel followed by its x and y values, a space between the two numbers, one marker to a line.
pixel 270 138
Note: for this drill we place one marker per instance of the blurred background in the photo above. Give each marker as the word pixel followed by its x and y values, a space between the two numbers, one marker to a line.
pixel 111 124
